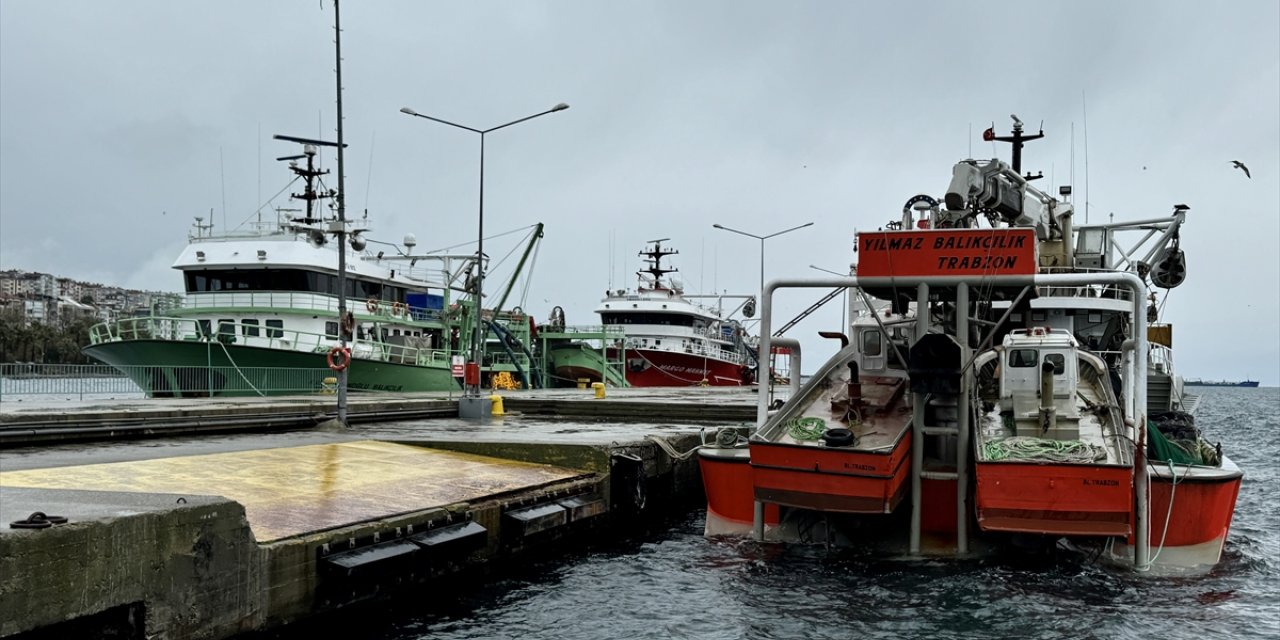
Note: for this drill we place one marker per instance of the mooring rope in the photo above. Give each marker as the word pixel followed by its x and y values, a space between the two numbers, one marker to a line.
pixel 671 451
pixel 1173 491
pixel 1031 448
pixel 237 368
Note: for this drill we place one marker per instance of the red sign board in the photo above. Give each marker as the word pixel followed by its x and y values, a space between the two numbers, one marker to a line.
pixel 947 252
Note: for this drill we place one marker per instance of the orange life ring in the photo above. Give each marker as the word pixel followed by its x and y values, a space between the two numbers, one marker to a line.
pixel 371 305
pixel 397 308
pixel 339 358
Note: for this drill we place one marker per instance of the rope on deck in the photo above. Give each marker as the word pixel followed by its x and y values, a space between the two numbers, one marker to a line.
pixel 1042 449
pixel 809 428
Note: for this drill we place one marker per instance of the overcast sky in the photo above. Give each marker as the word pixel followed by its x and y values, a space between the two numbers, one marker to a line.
pixel 120 121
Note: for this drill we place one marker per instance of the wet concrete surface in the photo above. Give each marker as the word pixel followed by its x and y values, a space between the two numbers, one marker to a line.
pixel 295 490
pixel 512 428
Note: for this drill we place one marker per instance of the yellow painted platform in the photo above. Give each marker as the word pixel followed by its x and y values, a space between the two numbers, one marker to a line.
pixel 296 490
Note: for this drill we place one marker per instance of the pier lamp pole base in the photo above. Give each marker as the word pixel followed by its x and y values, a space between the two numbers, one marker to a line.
pixel 475 408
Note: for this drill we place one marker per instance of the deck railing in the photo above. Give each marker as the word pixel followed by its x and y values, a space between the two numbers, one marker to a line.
pixel 43 382
pixel 191 330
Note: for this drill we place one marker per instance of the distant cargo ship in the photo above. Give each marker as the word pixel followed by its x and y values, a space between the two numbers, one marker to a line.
pixel 1196 382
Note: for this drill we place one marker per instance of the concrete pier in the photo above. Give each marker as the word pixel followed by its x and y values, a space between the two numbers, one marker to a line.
pixel 27 423
pixel 214 545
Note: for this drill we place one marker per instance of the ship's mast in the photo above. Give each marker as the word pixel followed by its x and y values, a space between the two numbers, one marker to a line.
pixel 1017 140
pixel 653 256
pixel 308 175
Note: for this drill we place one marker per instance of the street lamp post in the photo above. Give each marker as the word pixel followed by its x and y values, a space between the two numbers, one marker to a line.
pixel 762 359
pixel 470 405
pixel 762 239
pixel 844 328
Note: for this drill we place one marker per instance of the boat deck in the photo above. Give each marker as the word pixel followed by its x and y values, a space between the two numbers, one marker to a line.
pixel 879 424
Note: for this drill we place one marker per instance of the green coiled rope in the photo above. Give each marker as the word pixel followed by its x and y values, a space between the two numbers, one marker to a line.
pixel 806 428
pixel 1029 448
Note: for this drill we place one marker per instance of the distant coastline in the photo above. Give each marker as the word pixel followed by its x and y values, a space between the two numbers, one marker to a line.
pixel 1196 382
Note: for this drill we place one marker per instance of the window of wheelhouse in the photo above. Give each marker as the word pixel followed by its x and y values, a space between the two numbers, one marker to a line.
pixel 1058 361
pixel 872 344
pixel 249 327
pixel 1023 358
pixel 275 328
pixel 212 280
pixel 669 319
pixel 331 329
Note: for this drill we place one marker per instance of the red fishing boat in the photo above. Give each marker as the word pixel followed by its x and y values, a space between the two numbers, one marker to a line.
pixel 1052 454
pixel 1073 426
pixel 839 445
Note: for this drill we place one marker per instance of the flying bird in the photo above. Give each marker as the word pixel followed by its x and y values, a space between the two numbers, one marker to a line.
pixel 1240 165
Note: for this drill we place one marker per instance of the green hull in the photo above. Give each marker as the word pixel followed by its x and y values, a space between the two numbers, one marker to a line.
pixel 164 368
pixel 573 361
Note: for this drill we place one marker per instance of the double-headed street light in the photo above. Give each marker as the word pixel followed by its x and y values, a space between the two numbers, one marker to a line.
pixel 844 328
pixel 470 406
pixel 762 239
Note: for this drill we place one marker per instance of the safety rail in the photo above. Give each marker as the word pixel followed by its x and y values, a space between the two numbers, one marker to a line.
pixel 275 300
pixel 703 349
pixel 593 330
pixel 1085 291
pixel 36 382
pixel 188 330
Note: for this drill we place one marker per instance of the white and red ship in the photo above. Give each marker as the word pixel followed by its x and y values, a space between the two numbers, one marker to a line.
pixel 672 341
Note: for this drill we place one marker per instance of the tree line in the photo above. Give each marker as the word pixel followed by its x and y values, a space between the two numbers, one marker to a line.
pixel 42 343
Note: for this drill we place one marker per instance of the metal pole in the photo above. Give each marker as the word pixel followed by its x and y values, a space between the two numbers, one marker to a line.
pixel 477 343
pixel 917 422
pixel 342 221
pixel 962 424
pixel 762 266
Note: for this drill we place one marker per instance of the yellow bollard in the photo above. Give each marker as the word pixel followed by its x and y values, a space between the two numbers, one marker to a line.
pixel 329 385
pixel 599 387
pixel 582 382
pixel 497 405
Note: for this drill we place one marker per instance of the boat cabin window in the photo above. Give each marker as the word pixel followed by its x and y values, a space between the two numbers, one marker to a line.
pixel 331 329
pixel 226 330
pixel 275 328
pixel 1024 358
pixel 249 327
pixel 1058 361
pixel 288 280
pixel 647 318
pixel 205 330
pixel 872 345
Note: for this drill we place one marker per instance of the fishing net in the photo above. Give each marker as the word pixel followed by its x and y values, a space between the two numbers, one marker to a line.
pixel 1178 441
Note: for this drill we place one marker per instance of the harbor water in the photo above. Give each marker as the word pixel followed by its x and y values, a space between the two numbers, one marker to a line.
pixel 674 583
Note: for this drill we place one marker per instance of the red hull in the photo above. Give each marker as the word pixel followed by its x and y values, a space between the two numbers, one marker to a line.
pixel 835 480
pixel 726 479
pixel 1198 510
pixel 647 368
pixel 1055 499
